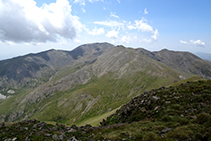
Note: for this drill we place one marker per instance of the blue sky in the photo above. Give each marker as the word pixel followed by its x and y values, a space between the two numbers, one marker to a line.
pixel 30 26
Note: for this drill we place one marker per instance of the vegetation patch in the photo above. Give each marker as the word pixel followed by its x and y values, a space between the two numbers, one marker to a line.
pixel 183 114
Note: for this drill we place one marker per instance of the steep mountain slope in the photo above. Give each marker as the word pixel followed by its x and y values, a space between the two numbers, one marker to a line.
pixel 34 69
pixel 81 90
pixel 181 61
pixel 186 62
pixel 100 78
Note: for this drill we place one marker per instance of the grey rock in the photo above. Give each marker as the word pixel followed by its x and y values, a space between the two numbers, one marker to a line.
pixel 54 128
pixel 61 137
pixel 73 139
pixel 47 135
pixel 166 130
pixel 55 137
pixel 71 130
pixel 149 102
pixel 14 139
pixel 155 98
pixel 27 139
pixel 26 128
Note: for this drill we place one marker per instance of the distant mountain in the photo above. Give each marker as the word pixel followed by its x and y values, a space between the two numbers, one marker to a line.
pixel 89 81
pixel 186 62
pixel 205 56
pixel 35 69
pixel 181 61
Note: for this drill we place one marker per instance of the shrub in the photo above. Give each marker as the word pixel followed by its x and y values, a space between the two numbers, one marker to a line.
pixel 150 136
pixel 181 120
pixel 166 118
pixel 203 118
pixel 176 106
pixel 137 136
pixel 180 133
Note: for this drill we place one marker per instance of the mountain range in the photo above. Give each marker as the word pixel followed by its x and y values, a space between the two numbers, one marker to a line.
pixel 88 83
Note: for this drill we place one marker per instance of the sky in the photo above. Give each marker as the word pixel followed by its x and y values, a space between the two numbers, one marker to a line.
pixel 32 26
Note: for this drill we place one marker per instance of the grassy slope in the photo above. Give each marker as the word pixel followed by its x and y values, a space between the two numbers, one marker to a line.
pixel 92 101
pixel 95 121
pixel 135 74
pixel 110 93
pixel 194 125
pixel 185 100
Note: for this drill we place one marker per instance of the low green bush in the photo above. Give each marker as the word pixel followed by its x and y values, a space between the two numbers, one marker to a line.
pixel 150 136
pixel 180 133
pixel 203 118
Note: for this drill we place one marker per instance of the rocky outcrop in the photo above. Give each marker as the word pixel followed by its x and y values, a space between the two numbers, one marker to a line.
pixel 36 130
pixel 186 100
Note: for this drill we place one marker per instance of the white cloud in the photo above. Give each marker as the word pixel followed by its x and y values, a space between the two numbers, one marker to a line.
pixel 96 31
pixel 146 40
pixel 118 1
pixel 149 34
pixel 141 25
pixel 112 34
pixel 183 42
pixel 95 1
pixel 109 23
pixel 155 35
pixel 23 21
pixel 145 11
pixel 83 2
pixel 114 15
pixel 77 41
pixel 125 39
pixel 197 42
pixel 83 10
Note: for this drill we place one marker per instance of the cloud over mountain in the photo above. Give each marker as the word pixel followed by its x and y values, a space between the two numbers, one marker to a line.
pixel 23 21
pixel 197 42
pixel 193 42
pixel 112 34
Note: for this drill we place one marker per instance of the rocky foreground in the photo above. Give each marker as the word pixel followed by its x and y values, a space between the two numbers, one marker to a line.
pixel 175 113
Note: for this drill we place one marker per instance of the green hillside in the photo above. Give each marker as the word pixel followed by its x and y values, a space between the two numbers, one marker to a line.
pixel 180 112
pixel 91 90
pixel 94 80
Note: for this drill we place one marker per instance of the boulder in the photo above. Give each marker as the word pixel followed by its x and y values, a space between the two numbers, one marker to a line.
pixel 55 137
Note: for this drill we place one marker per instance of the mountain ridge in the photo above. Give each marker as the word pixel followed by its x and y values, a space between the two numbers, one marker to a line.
pixel 22 70
pixel 102 78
